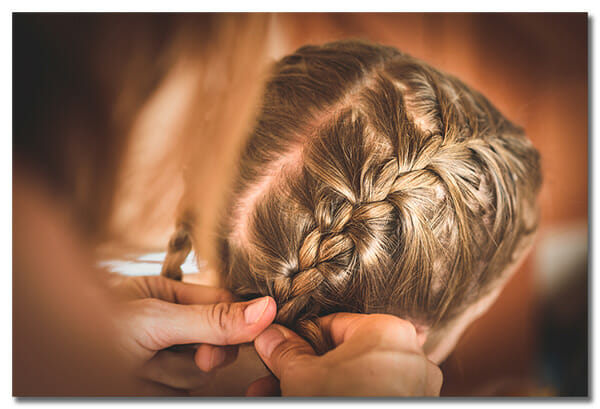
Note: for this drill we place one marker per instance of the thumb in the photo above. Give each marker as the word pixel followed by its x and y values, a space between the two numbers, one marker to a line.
pixel 165 324
pixel 280 348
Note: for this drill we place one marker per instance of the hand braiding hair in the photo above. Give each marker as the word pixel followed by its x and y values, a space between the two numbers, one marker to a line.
pixel 374 183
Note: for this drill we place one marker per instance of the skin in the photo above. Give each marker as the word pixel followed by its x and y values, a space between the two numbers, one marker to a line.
pixel 394 346
pixel 178 333
pixel 77 331
pixel 375 355
pixel 438 344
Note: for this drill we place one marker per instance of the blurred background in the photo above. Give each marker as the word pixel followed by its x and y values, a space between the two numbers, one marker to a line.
pixel 186 127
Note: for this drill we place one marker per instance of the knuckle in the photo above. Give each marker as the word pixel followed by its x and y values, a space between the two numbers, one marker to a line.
pixel 151 305
pixel 220 315
pixel 291 358
pixel 148 310
pixel 285 352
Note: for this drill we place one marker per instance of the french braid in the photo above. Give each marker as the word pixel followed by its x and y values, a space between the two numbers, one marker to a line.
pixel 374 183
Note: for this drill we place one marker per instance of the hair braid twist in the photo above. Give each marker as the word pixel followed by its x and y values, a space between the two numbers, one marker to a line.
pixel 408 192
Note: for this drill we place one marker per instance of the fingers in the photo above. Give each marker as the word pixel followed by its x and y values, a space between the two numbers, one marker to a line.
pixel 386 332
pixel 187 293
pixel 341 326
pixel 281 349
pixel 265 386
pixel 179 292
pixel 381 328
pixel 164 324
pixel 209 357
pixel 176 370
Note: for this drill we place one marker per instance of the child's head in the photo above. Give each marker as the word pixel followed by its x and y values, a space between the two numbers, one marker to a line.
pixel 372 182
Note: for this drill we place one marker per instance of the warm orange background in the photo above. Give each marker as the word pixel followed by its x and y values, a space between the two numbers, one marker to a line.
pixel 533 67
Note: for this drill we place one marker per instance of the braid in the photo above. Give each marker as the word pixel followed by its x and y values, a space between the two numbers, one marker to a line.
pixel 383 186
pixel 180 245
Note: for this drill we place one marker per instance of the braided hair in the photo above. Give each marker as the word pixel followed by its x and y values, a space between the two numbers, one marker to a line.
pixel 372 182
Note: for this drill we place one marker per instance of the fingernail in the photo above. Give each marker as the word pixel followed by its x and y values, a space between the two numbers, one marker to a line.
pixel 217 357
pixel 268 341
pixel 254 311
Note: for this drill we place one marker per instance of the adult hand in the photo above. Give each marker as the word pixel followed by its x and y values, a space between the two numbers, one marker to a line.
pixel 157 313
pixel 375 355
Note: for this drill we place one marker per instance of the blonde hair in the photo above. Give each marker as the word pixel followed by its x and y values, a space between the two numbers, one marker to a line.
pixel 372 182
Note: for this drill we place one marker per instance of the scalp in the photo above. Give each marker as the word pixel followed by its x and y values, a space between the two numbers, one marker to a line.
pixel 374 183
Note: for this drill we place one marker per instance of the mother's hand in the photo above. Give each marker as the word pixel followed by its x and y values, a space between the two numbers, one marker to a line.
pixel 157 313
pixel 375 355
